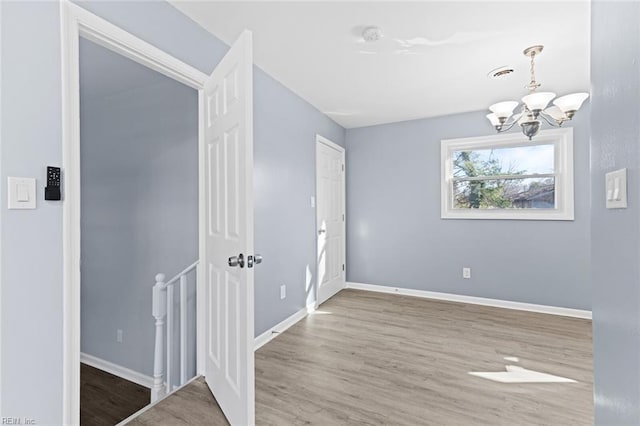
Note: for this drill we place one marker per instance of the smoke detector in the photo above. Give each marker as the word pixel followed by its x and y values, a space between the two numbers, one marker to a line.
pixel 371 34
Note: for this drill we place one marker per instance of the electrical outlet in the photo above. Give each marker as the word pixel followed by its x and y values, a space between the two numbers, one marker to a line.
pixel 283 291
pixel 119 336
pixel 466 273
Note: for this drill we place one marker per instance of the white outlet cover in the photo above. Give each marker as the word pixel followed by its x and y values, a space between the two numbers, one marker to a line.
pixel 616 189
pixel 283 291
pixel 466 273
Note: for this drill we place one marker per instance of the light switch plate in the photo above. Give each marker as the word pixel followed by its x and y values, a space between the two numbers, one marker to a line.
pixel 616 189
pixel 21 193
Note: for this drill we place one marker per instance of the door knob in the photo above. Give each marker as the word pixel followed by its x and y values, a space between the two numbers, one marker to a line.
pixel 251 260
pixel 237 261
pixel 321 231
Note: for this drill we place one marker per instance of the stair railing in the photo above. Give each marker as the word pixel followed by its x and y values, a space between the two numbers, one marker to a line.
pixel 163 312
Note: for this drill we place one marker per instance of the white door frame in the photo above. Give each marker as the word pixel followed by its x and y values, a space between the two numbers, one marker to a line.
pixel 327 142
pixel 77 22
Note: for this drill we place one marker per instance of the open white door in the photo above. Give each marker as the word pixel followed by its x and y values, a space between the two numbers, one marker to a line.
pixel 228 233
pixel 330 211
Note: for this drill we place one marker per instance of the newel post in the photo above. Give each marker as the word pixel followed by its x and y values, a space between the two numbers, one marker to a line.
pixel 159 311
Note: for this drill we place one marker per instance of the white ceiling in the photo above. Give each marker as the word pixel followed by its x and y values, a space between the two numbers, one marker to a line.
pixel 433 59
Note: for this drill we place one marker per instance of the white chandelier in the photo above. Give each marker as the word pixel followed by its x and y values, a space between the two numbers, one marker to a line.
pixel 533 106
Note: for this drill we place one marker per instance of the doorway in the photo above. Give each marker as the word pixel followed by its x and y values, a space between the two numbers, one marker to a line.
pixel 229 88
pixel 139 217
pixel 330 218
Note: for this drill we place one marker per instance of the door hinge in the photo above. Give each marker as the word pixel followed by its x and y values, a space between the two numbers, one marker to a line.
pixel 343 266
pixel 343 217
pixel 343 167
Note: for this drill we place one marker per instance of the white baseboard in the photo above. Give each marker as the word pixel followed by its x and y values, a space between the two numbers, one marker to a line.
pixel 282 326
pixel 553 310
pixel 117 370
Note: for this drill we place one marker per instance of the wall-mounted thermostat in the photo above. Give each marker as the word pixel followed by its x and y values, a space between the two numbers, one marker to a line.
pixel 52 190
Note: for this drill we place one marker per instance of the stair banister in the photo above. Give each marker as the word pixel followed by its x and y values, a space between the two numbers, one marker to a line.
pixel 184 272
pixel 159 309
pixel 163 312
pixel 169 376
pixel 183 329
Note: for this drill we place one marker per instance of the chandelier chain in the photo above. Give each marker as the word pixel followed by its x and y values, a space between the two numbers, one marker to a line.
pixel 532 84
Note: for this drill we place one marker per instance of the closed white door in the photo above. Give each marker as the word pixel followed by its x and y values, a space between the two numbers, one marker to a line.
pixel 227 256
pixel 330 214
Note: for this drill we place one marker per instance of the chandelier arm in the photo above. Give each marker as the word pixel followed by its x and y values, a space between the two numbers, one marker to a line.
pixel 507 126
pixel 514 119
pixel 550 120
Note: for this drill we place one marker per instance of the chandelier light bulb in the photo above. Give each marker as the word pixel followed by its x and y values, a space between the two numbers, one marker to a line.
pixel 556 113
pixel 571 102
pixel 538 101
pixel 495 121
pixel 503 109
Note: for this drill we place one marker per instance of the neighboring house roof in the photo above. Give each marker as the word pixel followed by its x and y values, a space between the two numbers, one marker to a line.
pixel 542 191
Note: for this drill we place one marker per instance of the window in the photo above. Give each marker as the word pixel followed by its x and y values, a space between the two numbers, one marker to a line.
pixel 508 177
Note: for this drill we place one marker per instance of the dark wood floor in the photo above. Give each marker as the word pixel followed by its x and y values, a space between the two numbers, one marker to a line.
pixel 377 359
pixel 106 399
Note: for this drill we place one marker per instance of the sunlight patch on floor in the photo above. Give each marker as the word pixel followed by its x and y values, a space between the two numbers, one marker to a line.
pixel 516 374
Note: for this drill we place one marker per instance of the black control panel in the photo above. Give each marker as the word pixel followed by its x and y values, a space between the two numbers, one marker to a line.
pixel 52 190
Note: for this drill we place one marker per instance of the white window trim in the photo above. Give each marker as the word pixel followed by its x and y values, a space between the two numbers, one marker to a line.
pixel 562 139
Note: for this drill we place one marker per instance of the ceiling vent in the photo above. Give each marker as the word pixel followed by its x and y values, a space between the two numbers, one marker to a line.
pixel 500 72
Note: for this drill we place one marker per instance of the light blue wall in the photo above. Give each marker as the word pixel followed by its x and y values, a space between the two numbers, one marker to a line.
pixel 395 236
pixel 284 159
pixel 32 239
pixel 2 194
pixel 31 140
pixel 285 130
pixel 615 142
pixel 139 152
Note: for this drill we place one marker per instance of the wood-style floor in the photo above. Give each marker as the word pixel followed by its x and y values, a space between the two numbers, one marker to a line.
pixel 106 399
pixel 191 405
pixel 379 359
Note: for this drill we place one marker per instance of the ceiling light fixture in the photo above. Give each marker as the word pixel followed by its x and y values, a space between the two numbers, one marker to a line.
pixel 533 106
